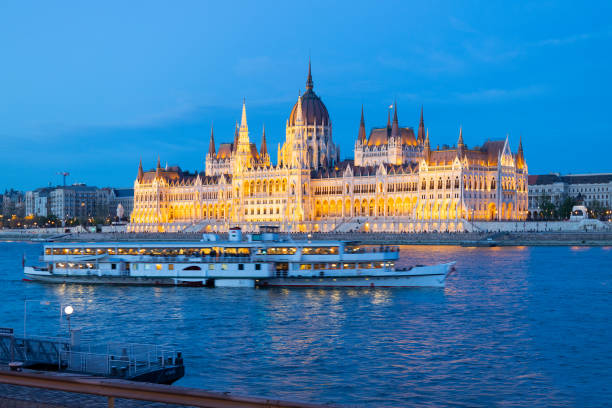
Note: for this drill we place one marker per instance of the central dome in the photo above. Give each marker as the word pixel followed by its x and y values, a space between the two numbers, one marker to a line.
pixel 313 109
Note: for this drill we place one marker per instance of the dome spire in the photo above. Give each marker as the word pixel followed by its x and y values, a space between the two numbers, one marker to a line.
pixel 309 84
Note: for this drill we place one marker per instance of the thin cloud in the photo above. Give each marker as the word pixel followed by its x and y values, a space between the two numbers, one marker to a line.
pixel 499 94
pixel 572 39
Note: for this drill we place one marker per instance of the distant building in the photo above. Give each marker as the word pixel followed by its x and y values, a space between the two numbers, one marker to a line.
pixel 37 202
pixel 13 203
pixel 76 201
pixel 556 187
pixel 123 196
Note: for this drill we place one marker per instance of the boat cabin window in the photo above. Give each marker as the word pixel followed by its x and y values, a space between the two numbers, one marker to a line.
pixel 277 251
pixel 319 266
pixel 170 267
pixel 334 266
pixel 113 266
pixel 194 268
pixel 158 267
pixel 348 265
pixel 320 250
pixel 48 251
pixel 241 267
pixel 258 267
pixel 365 265
pixel 305 266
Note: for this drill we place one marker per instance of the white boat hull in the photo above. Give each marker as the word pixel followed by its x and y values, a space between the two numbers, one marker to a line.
pixel 420 276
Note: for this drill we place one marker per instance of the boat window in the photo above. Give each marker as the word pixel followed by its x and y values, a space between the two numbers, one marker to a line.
pixel 319 266
pixel 224 267
pixel 89 251
pixel 320 250
pixel 241 267
pixel 100 251
pixel 305 266
pixel 365 265
pixel 111 251
pixel 193 268
pixel 170 267
pixel 134 267
pixel 378 265
pixel 334 266
pixel 281 251
pixel 158 267
pixel 48 251
pixel 349 265
pixel 258 267
pixel 211 266
pixel 113 266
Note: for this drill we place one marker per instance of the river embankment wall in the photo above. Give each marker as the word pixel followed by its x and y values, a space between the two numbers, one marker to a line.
pixel 479 238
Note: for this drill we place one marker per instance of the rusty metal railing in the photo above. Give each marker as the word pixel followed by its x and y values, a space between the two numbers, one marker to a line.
pixel 112 389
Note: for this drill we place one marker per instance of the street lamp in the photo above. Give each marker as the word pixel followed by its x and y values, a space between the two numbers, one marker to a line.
pixel 68 310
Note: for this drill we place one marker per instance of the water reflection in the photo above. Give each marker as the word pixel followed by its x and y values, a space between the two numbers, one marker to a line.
pixel 514 326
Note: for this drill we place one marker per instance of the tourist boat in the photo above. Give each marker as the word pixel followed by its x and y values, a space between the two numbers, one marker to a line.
pixel 260 260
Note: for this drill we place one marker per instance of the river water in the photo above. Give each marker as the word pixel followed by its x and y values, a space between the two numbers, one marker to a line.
pixel 514 326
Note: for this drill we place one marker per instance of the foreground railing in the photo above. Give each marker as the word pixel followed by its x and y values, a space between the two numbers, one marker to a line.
pixel 112 389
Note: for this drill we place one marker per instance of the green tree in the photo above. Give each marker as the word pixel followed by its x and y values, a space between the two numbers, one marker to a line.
pixel 598 210
pixel 565 207
pixel 547 208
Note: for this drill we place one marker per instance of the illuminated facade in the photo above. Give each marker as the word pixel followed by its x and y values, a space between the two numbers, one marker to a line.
pixel 396 182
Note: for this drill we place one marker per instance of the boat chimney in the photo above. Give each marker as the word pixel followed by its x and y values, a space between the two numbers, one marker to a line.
pixel 235 234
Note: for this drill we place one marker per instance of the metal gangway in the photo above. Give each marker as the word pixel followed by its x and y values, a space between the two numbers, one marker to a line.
pixel 117 360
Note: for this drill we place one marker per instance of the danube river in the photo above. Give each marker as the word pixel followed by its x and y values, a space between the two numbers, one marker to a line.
pixel 525 326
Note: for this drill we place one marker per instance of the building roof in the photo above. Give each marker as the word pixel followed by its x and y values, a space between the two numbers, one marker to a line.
pixel 123 192
pixel 596 178
pixel 381 136
pixel 313 108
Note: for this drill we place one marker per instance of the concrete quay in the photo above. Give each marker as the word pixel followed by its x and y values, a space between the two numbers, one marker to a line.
pixel 501 238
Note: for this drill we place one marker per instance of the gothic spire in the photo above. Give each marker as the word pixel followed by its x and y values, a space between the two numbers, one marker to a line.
pixel 388 119
pixel 140 172
pixel 158 168
pixel 362 130
pixel 299 116
pixel 236 136
pixel 460 144
pixel 421 134
pixel 243 121
pixel 520 158
pixel 211 145
pixel 426 147
pixel 395 127
pixel 264 148
pixel 309 84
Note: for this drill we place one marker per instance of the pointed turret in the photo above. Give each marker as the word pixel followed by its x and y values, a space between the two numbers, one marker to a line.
pixel 264 147
pixel 299 116
pixel 421 134
pixel 389 119
pixel 158 168
pixel 309 84
pixel 243 121
pixel 426 147
pixel 236 136
pixel 460 144
pixel 140 172
pixel 520 158
pixel 211 145
pixel 395 133
pixel 362 130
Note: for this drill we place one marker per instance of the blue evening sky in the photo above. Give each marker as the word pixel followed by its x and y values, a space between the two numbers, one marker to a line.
pixel 92 87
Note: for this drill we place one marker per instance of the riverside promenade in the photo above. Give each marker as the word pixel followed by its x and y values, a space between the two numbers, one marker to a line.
pixel 570 238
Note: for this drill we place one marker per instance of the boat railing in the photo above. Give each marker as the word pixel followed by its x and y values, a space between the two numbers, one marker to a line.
pixel 372 250
pixel 186 258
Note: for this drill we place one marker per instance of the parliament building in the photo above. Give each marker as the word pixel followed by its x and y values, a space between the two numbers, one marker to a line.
pixel 397 181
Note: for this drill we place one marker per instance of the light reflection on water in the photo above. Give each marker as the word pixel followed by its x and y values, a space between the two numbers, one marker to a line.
pixel 514 326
